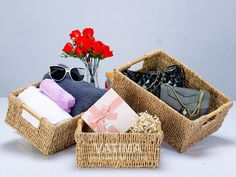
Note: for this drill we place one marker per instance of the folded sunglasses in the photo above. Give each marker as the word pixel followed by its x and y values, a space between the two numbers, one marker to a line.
pixel 58 73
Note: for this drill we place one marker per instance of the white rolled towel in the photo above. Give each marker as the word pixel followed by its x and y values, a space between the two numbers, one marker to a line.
pixel 43 105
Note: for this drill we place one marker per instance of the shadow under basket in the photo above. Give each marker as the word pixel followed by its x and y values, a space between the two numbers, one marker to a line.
pixel 179 131
pixel 48 138
pixel 116 150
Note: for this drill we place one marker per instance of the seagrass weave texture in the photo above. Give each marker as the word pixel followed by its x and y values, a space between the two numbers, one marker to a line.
pixel 179 131
pixel 48 138
pixel 116 150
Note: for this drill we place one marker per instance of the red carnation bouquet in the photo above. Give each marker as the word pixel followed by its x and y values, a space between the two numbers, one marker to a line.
pixel 89 50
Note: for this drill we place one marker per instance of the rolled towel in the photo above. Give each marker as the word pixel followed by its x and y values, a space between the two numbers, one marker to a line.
pixel 63 99
pixel 43 105
pixel 85 94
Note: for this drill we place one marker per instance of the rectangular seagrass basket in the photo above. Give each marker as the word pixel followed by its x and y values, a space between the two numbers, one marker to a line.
pixel 48 138
pixel 179 131
pixel 116 150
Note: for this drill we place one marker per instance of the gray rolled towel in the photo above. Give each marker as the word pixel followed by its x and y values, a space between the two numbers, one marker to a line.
pixel 85 94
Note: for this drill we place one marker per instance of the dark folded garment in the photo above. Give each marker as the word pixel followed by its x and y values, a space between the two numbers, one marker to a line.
pixel 85 94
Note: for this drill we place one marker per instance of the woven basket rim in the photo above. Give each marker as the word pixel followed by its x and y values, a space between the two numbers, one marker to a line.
pixel 128 133
pixel 14 92
pixel 81 123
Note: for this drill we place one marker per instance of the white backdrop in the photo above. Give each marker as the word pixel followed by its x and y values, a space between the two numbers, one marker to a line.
pixel 200 33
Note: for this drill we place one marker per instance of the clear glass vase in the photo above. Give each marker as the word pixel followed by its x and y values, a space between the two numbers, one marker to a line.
pixel 92 71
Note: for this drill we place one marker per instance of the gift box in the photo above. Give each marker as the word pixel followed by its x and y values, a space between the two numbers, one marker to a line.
pixel 47 137
pixel 179 131
pixel 110 114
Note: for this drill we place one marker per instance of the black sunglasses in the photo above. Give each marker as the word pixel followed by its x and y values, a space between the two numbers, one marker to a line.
pixel 58 73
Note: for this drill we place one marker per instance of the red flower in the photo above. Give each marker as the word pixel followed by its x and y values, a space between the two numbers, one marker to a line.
pixel 106 54
pixel 86 46
pixel 84 43
pixel 97 47
pixel 68 48
pixel 80 41
pixel 106 48
pixel 88 32
pixel 75 34
pixel 79 52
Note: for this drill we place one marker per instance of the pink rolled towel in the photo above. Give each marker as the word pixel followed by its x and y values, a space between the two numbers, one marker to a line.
pixel 63 99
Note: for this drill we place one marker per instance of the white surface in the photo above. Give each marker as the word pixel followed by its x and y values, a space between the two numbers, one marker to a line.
pixel 214 156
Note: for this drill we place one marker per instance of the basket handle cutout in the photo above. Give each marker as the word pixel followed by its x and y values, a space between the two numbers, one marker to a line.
pixel 209 120
pixel 136 66
pixel 35 115
pixel 30 116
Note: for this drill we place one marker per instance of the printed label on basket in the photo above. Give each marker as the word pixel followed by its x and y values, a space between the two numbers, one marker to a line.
pixel 31 119
pixel 117 148
pixel 119 151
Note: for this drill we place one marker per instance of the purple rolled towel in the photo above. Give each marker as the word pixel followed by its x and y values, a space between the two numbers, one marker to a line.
pixel 56 93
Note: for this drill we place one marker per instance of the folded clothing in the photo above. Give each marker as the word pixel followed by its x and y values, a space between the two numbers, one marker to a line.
pixel 63 99
pixel 43 105
pixel 85 94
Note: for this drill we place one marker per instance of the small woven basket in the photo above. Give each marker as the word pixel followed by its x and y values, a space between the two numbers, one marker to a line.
pixel 48 138
pixel 179 131
pixel 116 150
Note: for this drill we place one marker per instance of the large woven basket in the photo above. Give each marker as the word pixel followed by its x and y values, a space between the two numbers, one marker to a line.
pixel 116 150
pixel 48 138
pixel 179 131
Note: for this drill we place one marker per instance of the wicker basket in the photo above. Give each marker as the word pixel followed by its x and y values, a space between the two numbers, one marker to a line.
pixel 116 150
pixel 48 138
pixel 179 131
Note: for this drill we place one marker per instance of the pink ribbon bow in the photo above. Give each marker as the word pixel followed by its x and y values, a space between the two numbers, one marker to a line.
pixel 96 120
